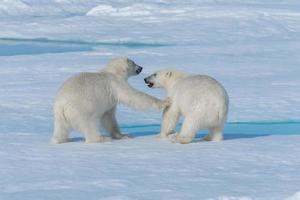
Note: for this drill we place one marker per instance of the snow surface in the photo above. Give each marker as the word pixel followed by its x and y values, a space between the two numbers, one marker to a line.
pixel 251 47
pixel 148 168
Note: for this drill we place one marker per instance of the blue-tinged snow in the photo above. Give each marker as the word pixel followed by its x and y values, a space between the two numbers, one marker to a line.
pixel 148 168
pixel 251 47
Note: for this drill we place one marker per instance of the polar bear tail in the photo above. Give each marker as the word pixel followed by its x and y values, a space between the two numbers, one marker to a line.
pixel 224 109
pixel 61 131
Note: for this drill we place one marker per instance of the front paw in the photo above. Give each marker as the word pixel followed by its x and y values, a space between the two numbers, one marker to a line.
pixel 59 140
pixel 161 136
pixel 98 139
pixel 177 138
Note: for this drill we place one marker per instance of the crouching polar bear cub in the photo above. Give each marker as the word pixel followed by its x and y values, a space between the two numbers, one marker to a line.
pixel 88 100
pixel 200 99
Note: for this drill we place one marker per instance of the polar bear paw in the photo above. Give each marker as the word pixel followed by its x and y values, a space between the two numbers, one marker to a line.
pixel 59 141
pixel 213 138
pixel 177 138
pixel 99 139
pixel 161 136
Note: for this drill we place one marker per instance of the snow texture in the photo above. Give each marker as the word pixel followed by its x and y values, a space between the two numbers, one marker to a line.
pixel 251 47
pixel 148 168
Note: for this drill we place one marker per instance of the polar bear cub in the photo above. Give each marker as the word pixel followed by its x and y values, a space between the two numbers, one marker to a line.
pixel 200 99
pixel 87 101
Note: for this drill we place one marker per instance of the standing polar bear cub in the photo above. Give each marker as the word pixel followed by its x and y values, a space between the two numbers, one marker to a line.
pixel 88 100
pixel 200 99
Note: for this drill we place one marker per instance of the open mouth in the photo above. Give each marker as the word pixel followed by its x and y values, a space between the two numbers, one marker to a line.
pixel 150 85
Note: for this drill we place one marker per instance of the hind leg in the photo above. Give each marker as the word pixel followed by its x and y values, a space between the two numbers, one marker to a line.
pixel 215 134
pixel 90 129
pixel 61 132
pixel 188 131
pixel 109 123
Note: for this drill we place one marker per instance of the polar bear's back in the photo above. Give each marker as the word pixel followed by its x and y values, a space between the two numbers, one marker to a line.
pixel 87 85
pixel 85 93
pixel 203 96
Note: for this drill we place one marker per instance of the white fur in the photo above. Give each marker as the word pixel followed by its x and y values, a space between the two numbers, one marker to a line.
pixel 87 101
pixel 201 100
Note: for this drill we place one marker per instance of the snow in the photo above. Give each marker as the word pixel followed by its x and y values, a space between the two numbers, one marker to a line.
pixel 148 168
pixel 136 10
pixel 294 197
pixel 251 47
pixel 135 172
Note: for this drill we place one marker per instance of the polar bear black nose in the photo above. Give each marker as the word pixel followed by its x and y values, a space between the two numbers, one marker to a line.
pixel 146 80
pixel 139 69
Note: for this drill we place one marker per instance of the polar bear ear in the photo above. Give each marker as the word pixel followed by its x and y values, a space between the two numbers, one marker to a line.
pixel 169 74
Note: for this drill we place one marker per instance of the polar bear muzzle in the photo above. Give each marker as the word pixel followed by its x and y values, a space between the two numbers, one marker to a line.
pixel 148 82
pixel 138 69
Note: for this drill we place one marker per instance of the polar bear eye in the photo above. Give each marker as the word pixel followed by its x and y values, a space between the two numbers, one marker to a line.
pixel 154 75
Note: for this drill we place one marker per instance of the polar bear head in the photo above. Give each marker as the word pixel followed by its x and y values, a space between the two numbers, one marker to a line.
pixel 123 67
pixel 164 78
